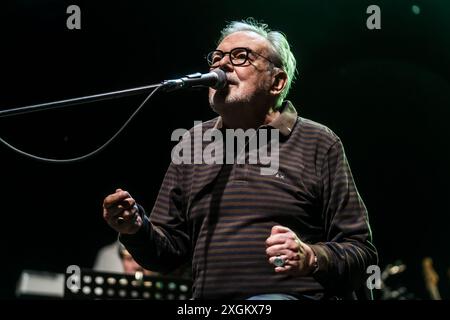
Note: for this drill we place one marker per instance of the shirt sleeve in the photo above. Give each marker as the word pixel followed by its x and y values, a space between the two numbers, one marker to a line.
pixel 162 243
pixel 348 250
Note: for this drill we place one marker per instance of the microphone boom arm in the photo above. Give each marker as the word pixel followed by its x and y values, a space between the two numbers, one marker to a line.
pixel 216 79
pixel 76 101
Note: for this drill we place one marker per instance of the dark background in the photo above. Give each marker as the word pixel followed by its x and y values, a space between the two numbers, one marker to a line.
pixel 385 92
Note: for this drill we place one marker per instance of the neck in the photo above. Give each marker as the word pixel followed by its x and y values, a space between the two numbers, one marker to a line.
pixel 249 120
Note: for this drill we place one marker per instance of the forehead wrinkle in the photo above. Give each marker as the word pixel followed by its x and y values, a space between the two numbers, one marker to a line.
pixel 245 39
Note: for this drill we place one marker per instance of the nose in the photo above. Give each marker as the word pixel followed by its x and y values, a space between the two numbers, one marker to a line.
pixel 225 63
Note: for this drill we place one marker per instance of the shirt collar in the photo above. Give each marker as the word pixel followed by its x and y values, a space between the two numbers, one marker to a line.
pixel 284 122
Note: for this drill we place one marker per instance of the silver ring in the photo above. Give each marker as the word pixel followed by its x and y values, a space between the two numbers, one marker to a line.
pixel 120 220
pixel 278 261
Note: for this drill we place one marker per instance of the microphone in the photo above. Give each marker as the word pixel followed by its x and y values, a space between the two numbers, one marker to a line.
pixel 216 79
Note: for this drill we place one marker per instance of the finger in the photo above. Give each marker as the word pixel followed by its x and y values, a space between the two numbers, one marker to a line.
pixel 279 238
pixel 112 212
pixel 289 265
pixel 276 250
pixel 112 199
pixel 119 216
pixel 290 244
pixel 129 226
pixel 129 214
pixel 127 217
pixel 299 245
pixel 127 203
pixel 286 268
pixel 279 229
pixel 118 210
pixel 282 256
pixel 290 254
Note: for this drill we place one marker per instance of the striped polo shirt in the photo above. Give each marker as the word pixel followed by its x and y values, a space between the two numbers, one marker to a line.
pixel 220 215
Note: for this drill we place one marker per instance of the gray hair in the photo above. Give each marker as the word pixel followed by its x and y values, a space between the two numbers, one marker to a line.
pixel 281 48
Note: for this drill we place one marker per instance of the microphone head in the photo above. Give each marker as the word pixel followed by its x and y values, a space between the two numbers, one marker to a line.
pixel 222 80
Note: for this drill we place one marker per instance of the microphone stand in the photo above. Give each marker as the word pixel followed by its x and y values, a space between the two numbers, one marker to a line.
pixel 216 79
pixel 76 101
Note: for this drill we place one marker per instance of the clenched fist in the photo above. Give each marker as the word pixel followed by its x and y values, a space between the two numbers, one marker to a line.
pixel 121 212
pixel 288 253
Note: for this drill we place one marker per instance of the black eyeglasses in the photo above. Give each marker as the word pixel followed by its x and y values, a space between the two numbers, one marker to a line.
pixel 238 57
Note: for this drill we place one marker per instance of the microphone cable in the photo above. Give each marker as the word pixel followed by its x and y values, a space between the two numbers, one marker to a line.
pixel 90 154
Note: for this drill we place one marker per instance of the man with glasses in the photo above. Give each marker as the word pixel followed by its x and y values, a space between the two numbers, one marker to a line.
pixel 302 233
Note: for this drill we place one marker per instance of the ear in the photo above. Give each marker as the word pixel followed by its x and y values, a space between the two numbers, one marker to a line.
pixel 279 81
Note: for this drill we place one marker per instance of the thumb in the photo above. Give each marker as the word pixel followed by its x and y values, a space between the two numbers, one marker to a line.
pixel 279 229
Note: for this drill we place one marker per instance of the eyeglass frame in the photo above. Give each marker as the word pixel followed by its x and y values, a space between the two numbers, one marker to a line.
pixel 248 51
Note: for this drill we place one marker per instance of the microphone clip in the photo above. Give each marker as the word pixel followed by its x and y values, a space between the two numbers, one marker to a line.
pixel 175 84
pixel 216 79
